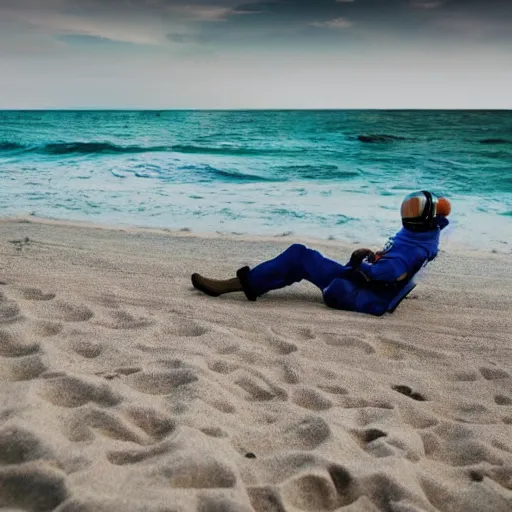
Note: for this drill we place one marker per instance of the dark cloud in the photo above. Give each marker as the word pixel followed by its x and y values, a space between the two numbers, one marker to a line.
pixel 267 22
pixel 462 20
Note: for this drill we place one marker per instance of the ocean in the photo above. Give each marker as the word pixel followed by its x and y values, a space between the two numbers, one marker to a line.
pixel 324 174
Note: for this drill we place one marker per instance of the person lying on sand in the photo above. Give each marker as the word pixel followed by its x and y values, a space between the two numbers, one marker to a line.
pixel 371 282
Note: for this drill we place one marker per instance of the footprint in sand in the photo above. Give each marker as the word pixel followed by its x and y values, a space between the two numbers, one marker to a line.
pixel 259 389
pixel 466 376
pixel 154 423
pixel 18 445
pixel 500 475
pixel 431 442
pixel 225 347
pixel 357 402
pixel 309 398
pixel 84 421
pixel 68 312
pixel 174 363
pixel 303 481
pixel 32 486
pixel 224 367
pixel 320 489
pixel 47 329
pixel 9 312
pixel 12 345
pixel 128 370
pixel 223 406
pixel 494 373
pixel 503 400
pixel 280 344
pixel 125 320
pixel 472 408
pixel 407 391
pixel 89 349
pixel 302 435
pixel 399 350
pixel 297 333
pixel 416 418
pixel 184 328
pixel 291 371
pixel 266 499
pixel 370 415
pixel 326 374
pixel 457 445
pixel 217 339
pixel 348 342
pixel 305 434
pixel 26 367
pixel 503 447
pixel 467 453
pixel 222 344
pixel 66 391
pixel 195 472
pixel 161 383
pixel 219 503
pixel 35 294
pixel 372 434
pixel 375 441
pixel 214 432
pixel 333 390
pixel 124 457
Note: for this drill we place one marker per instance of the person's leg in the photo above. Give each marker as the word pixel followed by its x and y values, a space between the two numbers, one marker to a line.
pixel 298 262
pixel 294 264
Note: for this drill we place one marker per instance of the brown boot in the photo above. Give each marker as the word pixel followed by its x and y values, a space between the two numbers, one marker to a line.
pixel 215 287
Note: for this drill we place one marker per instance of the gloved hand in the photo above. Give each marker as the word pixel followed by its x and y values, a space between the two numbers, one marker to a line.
pixel 359 255
pixel 376 257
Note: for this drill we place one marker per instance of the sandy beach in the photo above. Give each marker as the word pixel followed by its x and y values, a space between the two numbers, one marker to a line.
pixel 123 389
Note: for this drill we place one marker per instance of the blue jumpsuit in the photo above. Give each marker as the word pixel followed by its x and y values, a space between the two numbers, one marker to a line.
pixel 376 285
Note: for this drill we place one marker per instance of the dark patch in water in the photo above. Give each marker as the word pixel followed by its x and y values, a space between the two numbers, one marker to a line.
pixel 237 151
pixel 86 148
pixel 66 148
pixel 10 146
pixel 315 172
pixel 379 138
pixel 236 176
pixel 495 141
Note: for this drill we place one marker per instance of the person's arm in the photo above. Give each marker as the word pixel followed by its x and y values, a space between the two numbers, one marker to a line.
pixel 387 271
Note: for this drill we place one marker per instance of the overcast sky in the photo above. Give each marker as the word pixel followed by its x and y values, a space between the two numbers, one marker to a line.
pixel 269 54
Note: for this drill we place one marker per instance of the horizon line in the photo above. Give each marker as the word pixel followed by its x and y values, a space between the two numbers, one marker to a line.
pixel 248 109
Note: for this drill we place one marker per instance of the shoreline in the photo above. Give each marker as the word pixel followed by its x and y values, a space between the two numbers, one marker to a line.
pixel 446 244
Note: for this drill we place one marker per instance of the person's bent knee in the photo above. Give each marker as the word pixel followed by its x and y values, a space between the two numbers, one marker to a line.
pixel 338 294
pixel 330 300
pixel 297 249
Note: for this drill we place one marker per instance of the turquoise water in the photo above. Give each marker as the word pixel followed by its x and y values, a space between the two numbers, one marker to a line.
pixel 338 174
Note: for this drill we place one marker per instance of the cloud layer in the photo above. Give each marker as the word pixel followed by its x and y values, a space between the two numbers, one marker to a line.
pixel 151 21
pixel 337 40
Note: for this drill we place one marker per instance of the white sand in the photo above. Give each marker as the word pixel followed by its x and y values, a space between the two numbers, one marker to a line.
pixel 124 389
